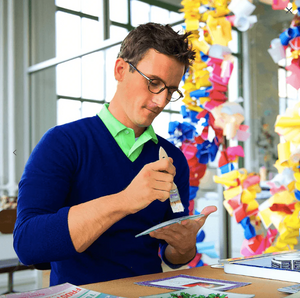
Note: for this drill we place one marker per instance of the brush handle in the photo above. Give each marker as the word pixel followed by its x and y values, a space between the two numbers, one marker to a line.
pixel 163 154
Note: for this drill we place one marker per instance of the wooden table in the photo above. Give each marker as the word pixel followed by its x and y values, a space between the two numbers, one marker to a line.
pixel 262 288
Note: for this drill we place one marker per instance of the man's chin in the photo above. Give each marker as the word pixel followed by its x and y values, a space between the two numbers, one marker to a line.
pixel 147 122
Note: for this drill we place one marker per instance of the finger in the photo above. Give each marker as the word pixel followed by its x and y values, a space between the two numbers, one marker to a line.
pixel 208 210
pixel 185 227
pixel 161 195
pixel 174 238
pixel 173 231
pixel 164 165
pixel 171 160
pixel 163 186
pixel 164 177
pixel 164 234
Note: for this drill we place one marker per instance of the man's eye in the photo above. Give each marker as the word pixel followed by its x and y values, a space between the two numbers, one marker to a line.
pixel 155 83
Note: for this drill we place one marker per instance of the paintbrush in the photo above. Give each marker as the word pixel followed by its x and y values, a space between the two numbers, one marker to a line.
pixel 175 200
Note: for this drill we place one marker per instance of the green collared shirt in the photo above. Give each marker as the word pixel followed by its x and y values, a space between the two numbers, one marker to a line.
pixel 125 136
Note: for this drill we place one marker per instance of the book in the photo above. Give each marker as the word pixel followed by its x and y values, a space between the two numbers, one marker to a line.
pixel 276 253
pixel 261 266
pixel 196 292
pixel 183 281
pixel 65 290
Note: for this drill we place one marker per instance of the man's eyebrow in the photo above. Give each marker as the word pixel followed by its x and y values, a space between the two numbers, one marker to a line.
pixel 157 77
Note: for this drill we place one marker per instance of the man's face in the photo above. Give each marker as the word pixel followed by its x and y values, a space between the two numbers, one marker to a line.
pixel 139 105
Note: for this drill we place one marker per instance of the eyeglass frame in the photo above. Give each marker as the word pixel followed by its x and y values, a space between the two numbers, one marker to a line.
pixel 161 90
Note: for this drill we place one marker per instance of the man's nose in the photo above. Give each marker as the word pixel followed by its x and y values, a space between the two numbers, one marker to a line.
pixel 160 99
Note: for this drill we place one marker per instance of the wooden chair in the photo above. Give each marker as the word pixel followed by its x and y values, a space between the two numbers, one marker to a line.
pixel 10 266
pixel 7 220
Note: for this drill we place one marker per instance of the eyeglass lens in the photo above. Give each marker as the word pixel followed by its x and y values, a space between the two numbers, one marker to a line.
pixel 155 86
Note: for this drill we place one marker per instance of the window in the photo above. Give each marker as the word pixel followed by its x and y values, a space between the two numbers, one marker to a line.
pixel 81 80
pixel 84 84
pixel 90 78
pixel 288 95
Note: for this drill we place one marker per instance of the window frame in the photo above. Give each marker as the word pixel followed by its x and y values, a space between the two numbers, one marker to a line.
pixel 108 43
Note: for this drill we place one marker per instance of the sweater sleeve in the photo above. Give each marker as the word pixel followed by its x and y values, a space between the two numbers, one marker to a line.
pixel 41 231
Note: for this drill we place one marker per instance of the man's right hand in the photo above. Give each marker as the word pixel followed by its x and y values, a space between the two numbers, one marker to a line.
pixel 153 182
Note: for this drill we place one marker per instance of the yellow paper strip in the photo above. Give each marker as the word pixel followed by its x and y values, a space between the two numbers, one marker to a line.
pixel 192 24
pixel 232 192
pixel 284 152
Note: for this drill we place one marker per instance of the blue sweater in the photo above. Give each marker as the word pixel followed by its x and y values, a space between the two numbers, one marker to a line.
pixel 75 163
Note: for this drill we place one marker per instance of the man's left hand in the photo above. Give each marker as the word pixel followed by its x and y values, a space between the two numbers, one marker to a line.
pixel 182 236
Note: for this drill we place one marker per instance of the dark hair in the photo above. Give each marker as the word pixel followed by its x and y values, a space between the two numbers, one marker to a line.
pixel 162 38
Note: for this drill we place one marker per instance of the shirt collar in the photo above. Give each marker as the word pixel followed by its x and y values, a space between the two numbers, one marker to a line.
pixel 115 126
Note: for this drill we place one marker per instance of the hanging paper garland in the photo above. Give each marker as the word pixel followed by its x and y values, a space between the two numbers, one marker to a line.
pixel 210 119
pixel 289 40
pixel 213 120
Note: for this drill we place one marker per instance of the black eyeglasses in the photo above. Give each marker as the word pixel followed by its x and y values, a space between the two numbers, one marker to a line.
pixel 157 86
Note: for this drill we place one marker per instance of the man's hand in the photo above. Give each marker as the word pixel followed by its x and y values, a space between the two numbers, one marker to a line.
pixel 153 182
pixel 182 237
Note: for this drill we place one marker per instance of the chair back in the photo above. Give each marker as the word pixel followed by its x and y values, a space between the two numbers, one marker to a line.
pixel 7 220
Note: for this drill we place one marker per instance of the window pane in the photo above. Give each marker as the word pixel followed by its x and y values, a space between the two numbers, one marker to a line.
pixel 92 76
pixel 282 106
pixel 117 33
pixel 291 103
pixel 92 7
pixel 118 11
pixel 178 28
pixel 68 80
pixel 233 44
pixel 175 17
pixel 111 83
pixel 282 82
pixel 177 117
pixel 288 54
pixel 233 85
pixel 68 36
pixel 159 15
pixel 91 34
pixel 291 91
pixel 176 105
pixel 282 62
pixel 90 109
pixel 68 111
pixel 73 5
pixel 161 124
pixel 140 13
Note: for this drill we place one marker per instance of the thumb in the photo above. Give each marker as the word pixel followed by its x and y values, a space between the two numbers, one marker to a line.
pixel 206 212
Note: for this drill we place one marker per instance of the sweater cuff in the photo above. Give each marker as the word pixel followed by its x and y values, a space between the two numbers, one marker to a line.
pixel 171 265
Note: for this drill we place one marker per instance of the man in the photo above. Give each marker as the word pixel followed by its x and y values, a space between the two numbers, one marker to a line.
pixel 91 185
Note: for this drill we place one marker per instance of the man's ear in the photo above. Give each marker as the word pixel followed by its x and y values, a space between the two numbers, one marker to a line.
pixel 120 69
